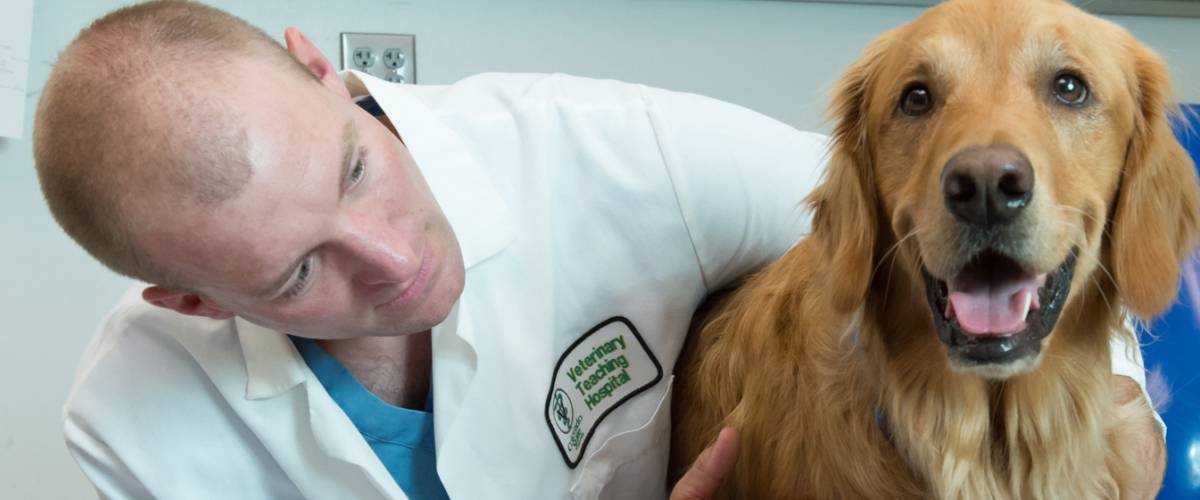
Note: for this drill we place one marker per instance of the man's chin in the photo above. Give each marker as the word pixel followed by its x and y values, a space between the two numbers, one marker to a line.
pixel 431 314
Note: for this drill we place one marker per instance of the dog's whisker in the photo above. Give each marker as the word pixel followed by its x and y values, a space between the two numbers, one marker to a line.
pixel 892 252
pixel 894 248
pixel 887 288
pixel 1080 211
pixel 1094 260
pixel 1100 289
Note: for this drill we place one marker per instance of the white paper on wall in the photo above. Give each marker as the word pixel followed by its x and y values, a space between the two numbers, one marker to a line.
pixel 16 31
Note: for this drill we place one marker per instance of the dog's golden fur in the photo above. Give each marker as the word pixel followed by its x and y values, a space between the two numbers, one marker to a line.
pixel 800 358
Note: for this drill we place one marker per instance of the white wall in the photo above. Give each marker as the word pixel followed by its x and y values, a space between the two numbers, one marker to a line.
pixel 776 57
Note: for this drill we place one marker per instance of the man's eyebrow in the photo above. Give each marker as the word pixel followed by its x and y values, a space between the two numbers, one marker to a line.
pixel 349 140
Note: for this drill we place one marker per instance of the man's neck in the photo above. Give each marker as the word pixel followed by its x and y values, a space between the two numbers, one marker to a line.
pixel 395 369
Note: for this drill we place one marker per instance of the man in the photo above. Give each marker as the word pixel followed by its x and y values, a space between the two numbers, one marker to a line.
pixel 346 270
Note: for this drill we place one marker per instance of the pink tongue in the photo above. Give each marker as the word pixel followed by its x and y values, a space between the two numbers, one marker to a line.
pixel 995 308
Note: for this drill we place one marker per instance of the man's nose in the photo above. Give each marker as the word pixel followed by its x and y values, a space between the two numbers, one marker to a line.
pixel 382 255
pixel 987 186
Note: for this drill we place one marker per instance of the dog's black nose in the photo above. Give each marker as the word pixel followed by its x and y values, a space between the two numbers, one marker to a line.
pixel 987 186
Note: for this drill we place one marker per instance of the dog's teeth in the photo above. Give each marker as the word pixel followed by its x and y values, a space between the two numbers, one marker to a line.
pixel 1026 299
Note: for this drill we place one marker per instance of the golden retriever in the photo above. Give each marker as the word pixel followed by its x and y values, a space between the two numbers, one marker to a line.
pixel 1003 185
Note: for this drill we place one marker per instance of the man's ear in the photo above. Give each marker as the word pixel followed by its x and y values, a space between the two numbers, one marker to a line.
pixel 304 51
pixel 184 303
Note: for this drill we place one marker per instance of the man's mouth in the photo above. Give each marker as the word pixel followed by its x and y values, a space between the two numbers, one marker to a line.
pixel 996 312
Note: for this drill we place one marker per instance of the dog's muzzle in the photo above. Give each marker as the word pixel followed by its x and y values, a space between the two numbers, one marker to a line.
pixel 993 312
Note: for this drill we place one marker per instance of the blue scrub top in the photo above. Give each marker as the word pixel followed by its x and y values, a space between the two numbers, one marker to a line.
pixel 400 437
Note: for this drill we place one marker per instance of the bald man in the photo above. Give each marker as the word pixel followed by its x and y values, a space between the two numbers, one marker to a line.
pixel 355 289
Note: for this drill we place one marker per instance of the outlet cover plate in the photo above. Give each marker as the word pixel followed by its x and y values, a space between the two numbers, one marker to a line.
pixel 392 57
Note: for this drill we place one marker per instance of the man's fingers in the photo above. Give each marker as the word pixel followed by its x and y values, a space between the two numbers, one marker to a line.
pixel 1141 438
pixel 709 470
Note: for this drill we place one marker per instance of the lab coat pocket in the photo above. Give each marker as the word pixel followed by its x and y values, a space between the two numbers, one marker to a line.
pixel 631 464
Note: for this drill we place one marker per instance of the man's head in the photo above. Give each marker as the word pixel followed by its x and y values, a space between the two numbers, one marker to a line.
pixel 183 147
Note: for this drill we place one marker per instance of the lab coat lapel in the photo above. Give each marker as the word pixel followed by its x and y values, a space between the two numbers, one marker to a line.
pixel 454 369
pixel 305 431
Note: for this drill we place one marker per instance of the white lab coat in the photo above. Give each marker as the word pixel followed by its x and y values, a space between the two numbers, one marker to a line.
pixel 575 201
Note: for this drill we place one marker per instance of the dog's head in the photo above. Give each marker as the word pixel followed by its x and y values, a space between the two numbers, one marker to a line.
pixel 1010 153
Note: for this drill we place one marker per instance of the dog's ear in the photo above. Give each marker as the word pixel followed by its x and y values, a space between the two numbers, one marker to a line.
pixel 1156 220
pixel 843 205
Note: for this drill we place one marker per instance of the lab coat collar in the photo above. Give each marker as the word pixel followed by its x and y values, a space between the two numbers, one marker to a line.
pixel 272 364
pixel 480 219
pixel 274 368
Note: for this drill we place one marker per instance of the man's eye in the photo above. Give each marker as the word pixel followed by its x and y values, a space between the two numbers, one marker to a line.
pixel 304 274
pixel 358 171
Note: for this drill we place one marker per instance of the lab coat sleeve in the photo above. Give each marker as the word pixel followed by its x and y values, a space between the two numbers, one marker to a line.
pixel 740 179
pixel 100 464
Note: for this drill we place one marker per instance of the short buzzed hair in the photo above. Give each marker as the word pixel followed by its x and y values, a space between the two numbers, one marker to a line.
pixel 96 147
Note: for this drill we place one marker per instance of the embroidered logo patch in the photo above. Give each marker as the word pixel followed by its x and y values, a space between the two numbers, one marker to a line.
pixel 604 368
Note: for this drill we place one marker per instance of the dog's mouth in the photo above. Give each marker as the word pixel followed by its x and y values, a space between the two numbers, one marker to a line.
pixel 994 311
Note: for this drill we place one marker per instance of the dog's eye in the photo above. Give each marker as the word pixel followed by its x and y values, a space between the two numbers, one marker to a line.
pixel 916 100
pixel 1070 90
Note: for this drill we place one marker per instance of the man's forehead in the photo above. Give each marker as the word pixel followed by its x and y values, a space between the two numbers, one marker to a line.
pixel 204 248
pixel 291 124
pixel 294 141
pixel 253 240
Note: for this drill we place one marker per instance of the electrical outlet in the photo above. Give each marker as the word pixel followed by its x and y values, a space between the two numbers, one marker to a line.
pixel 393 58
pixel 363 52
pixel 363 58
pixel 396 77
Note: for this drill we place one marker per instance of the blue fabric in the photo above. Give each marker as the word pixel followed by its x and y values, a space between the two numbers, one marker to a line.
pixel 1171 358
pixel 400 437
pixel 368 104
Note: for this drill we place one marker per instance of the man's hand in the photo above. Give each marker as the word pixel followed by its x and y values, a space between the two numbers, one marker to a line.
pixel 1143 440
pixel 709 470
